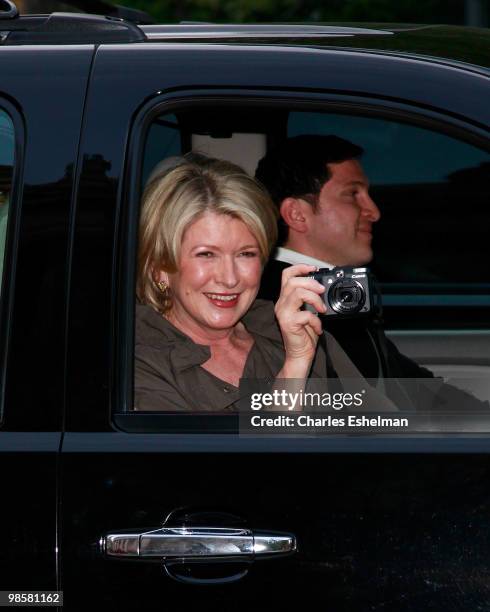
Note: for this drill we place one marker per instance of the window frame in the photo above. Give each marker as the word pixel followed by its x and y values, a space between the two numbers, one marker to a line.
pixel 12 239
pixel 123 416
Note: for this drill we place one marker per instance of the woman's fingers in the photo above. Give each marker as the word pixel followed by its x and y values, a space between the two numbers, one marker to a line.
pixel 301 290
pixel 308 319
pixel 304 282
pixel 294 300
pixel 296 276
pixel 300 328
pixel 296 270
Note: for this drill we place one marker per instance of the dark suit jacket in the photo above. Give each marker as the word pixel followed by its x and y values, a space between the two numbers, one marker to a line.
pixel 375 356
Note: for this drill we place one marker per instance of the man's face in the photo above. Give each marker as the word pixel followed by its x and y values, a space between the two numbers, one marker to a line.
pixel 340 229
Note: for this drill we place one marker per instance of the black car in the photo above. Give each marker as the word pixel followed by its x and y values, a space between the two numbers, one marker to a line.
pixel 89 106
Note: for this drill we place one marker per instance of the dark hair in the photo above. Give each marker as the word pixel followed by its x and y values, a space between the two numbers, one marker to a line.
pixel 297 168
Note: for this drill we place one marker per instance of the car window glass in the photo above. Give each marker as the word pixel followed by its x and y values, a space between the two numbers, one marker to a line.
pixel 394 152
pixel 6 169
pixel 164 140
pixel 432 185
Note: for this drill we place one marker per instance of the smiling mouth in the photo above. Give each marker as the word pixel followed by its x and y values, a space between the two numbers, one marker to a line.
pixel 223 300
pixel 222 297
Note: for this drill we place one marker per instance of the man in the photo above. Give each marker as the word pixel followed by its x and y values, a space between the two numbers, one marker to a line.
pixel 322 194
pixel 326 219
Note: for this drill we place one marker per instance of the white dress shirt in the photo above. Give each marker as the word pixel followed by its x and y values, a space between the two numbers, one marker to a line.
pixel 294 257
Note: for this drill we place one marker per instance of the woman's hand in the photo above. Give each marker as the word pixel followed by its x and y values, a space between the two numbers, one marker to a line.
pixel 300 328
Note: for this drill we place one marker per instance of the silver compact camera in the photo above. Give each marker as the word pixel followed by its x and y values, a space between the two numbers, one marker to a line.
pixel 349 291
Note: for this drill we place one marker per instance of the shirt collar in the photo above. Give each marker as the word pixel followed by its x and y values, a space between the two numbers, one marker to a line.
pixel 294 257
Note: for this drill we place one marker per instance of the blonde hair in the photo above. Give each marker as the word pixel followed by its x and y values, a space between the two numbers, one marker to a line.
pixel 177 197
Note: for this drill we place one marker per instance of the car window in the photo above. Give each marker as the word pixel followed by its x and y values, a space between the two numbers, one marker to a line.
pixel 428 183
pixel 6 172
pixel 163 140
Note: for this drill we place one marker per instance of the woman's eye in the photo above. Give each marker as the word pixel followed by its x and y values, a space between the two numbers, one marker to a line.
pixel 248 254
pixel 205 254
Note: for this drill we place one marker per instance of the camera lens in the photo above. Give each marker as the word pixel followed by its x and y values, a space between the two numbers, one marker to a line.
pixel 346 296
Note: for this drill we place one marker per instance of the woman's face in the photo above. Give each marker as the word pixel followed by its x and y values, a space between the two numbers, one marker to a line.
pixel 218 275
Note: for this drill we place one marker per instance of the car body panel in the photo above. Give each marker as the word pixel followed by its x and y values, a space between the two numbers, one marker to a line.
pixel 436 43
pixel 44 92
pixel 363 523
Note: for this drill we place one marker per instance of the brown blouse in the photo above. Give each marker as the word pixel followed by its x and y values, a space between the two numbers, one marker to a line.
pixel 168 372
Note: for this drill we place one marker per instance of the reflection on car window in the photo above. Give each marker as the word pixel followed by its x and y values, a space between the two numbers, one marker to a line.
pixel 6 168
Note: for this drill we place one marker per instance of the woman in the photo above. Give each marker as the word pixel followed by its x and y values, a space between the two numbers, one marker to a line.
pixel 206 231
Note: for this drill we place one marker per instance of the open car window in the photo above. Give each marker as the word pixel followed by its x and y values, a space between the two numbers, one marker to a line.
pixel 428 181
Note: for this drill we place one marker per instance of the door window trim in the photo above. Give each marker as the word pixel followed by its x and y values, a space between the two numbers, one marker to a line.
pixel 123 307
pixel 11 242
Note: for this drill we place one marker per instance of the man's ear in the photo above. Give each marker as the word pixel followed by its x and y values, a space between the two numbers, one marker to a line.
pixel 295 213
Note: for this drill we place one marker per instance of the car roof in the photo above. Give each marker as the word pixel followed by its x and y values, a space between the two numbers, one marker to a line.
pixel 456 44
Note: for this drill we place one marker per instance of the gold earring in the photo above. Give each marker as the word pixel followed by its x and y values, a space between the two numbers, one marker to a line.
pixel 162 286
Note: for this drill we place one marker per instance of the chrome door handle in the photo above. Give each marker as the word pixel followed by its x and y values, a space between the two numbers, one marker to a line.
pixel 197 543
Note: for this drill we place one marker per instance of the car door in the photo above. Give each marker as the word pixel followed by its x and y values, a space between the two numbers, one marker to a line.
pixel 41 104
pixel 346 520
